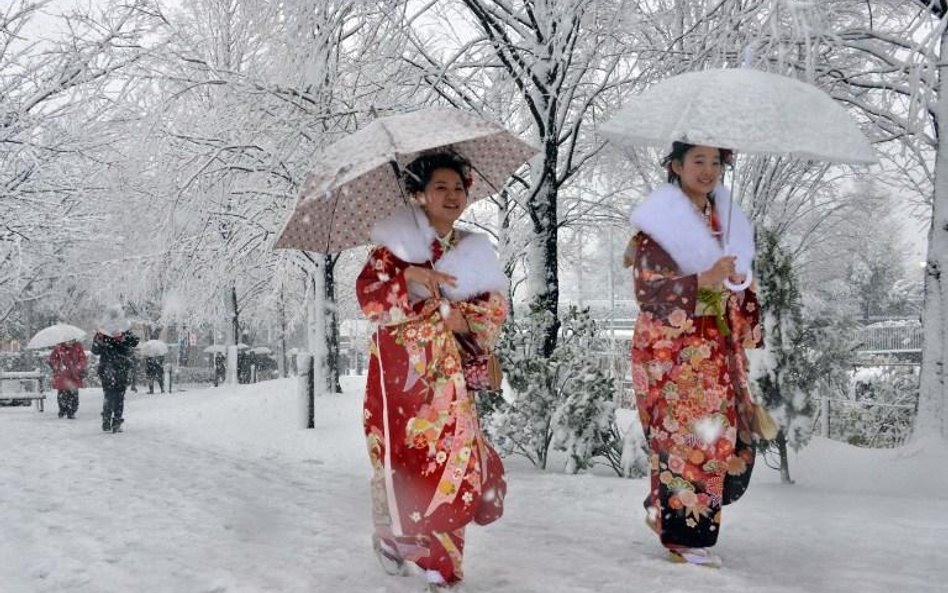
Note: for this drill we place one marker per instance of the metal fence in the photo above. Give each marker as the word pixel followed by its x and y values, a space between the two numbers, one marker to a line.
pixel 884 338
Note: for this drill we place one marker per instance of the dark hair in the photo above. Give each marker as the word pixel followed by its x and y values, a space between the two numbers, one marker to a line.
pixel 678 151
pixel 418 172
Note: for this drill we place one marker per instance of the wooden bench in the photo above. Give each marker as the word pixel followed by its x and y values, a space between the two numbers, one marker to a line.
pixel 38 396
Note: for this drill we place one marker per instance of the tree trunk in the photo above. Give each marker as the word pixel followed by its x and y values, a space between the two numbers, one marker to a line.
pixel 281 318
pixel 543 253
pixel 234 315
pixel 932 418
pixel 332 324
pixel 781 443
pixel 316 324
pixel 503 247
pixel 230 302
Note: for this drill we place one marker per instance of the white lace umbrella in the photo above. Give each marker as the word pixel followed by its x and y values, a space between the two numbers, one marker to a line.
pixel 55 334
pixel 153 348
pixel 742 109
pixel 355 181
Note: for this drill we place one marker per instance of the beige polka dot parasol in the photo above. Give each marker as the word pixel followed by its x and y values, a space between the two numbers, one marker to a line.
pixel 353 183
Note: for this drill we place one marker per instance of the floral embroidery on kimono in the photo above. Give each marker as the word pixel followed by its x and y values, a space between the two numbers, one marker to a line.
pixel 441 465
pixel 690 384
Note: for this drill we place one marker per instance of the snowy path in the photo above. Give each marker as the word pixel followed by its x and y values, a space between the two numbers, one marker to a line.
pixel 217 491
pixel 102 512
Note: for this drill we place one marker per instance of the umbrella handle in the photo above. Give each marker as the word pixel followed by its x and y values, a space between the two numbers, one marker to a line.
pixel 739 287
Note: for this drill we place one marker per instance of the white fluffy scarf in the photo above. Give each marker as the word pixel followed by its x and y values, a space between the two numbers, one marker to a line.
pixel 669 217
pixel 473 261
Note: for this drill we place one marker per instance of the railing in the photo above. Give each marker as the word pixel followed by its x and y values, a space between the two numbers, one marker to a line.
pixel 890 337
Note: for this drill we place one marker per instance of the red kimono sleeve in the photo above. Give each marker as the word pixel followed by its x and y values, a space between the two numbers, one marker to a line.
pixel 382 289
pixel 744 313
pixel 485 316
pixel 659 285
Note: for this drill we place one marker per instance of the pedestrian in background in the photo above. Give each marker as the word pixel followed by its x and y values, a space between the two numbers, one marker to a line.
pixel 114 343
pixel 68 361
pixel 155 371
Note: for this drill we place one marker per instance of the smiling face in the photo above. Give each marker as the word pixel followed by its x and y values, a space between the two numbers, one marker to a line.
pixel 699 171
pixel 445 198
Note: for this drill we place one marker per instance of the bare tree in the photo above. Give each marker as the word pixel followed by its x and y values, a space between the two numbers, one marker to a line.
pixel 55 110
pixel 899 83
pixel 559 60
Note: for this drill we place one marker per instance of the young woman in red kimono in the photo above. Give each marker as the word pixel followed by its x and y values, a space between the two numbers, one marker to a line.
pixel 688 360
pixel 425 283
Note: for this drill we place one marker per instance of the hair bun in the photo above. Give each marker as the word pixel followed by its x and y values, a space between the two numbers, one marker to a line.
pixel 417 174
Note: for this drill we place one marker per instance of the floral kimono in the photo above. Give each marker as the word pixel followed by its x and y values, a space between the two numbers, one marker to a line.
pixel 689 365
pixel 433 470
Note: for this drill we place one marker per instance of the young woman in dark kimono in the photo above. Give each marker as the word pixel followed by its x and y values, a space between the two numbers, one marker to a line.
pixel 688 360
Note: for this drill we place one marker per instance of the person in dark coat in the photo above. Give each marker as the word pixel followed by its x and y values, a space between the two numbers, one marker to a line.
pixel 220 369
pixel 68 362
pixel 114 343
pixel 155 371
pixel 244 364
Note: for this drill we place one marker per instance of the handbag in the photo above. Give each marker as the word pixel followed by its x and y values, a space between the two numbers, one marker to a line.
pixel 482 370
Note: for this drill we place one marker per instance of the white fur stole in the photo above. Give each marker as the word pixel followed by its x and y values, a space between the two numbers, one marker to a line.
pixel 669 217
pixel 406 233
pixel 473 260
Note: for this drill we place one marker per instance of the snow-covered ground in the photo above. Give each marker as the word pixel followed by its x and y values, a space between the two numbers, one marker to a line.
pixel 218 490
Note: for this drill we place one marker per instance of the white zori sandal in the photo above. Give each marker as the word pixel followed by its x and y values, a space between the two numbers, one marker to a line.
pixel 696 556
pixel 391 561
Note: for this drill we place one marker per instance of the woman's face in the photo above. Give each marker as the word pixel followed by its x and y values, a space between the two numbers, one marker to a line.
pixel 445 197
pixel 699 170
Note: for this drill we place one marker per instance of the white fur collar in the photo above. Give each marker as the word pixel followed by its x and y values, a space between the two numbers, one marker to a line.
pixel 473 260
pixel 669 217
pixel 407 234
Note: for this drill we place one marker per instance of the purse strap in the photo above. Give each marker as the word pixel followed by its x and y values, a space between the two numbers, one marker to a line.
pixel 468 345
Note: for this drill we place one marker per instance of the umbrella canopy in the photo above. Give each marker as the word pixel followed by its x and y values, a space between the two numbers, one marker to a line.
pixel 742 109
pixel 353 183
pixel 261 350
pixel 222 348
pixel 55 334
pixel 153 348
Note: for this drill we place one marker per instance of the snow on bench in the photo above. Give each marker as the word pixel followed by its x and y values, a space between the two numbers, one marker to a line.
pixel 37 396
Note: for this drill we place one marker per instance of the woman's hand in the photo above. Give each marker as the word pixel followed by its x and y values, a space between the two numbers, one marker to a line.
pixel 430 279
pixel 715 275
pixel 456 322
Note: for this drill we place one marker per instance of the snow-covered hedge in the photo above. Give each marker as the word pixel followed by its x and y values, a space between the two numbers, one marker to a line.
pixel 879 408
pixel 564 402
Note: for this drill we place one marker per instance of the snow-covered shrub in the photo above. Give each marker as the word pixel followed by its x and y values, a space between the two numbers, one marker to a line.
pixel 805 351
pixel 564 401
pixel 582 423
pixel 783 370
pixel 878 409
pixel 630 446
